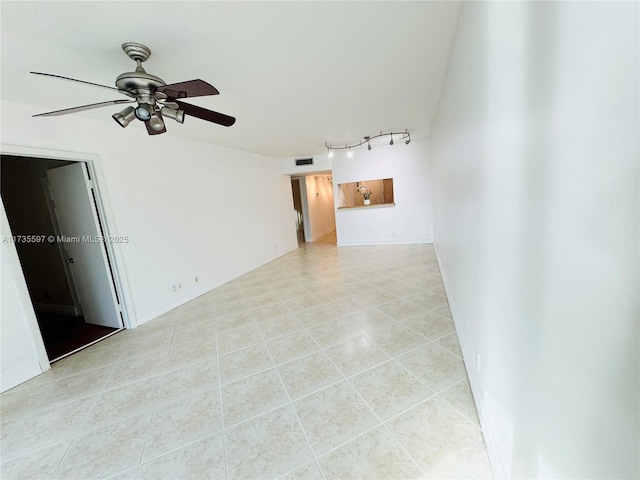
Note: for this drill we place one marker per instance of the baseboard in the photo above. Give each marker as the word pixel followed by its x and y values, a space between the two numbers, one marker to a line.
pixel 52 308
pixel 393 241
pixel 192 294
pixel 320 235
pixel 497 465
pixel 19 375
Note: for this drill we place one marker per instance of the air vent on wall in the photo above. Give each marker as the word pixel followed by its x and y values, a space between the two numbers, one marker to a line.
pixel 304 161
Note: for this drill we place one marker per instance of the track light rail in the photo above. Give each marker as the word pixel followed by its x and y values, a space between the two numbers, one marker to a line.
pixel 406 136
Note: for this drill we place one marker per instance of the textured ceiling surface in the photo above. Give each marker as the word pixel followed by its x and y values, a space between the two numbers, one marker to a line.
pixel 295 74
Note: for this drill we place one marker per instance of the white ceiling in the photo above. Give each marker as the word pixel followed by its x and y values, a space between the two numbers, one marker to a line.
pixel 295 74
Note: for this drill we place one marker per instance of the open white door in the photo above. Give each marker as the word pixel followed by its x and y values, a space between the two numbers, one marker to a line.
pixel 74 206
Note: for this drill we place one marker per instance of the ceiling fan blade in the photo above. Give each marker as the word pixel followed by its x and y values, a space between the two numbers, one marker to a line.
pixel 81 108
pixel 151 131
pixel 208 115
pixel 74 80
pixel 190 88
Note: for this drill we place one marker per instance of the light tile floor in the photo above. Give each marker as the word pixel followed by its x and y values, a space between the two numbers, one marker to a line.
pixel 325 363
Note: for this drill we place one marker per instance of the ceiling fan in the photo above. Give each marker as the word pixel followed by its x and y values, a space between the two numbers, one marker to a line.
pixel 155 99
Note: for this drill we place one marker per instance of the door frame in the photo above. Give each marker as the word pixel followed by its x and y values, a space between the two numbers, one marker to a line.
pixel 103 207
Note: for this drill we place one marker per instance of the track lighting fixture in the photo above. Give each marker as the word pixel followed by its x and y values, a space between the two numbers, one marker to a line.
pixel 143 113
pixel 329 152
pixel 406 136
pixel 156 123
pixel 175 114
pixel 125 116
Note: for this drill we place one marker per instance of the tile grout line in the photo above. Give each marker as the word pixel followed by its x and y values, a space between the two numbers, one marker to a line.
pixel 284 387
pixel 155 406
pixel 381 423
pixel 224 432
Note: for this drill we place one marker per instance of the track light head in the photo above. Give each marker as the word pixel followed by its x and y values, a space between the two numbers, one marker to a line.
pixel 143 112
pixel 156 123
pixel 124 117
pixel 391 142
pixel 175 114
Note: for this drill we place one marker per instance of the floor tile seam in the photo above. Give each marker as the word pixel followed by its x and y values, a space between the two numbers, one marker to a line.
pixel 244 347
pixel 331 345
pixel 464 380
pixel 431 340
pixel 305 328
pixel 24 389
pixel 128 383
pixel 137 467
pixel 452 353
pixel 404 449
pixel 231 328
pixel 244 377
pixel 372 411
pixel 440 315
pixel 83 372
pixel 66 451
pixel 293 359
pixel 295 412
pixel 315 324
pixel 25 453
pixel 80 434
pixel 486 467
pixel 56 405
pixel 318 344
pixel 224 435
pixel 435 342
pixel 414 376
pixel 415 405
pixel 377 307
pixel 121 416
pixel 180 447
pixel 395 358
pixel 279 336
pixel 146 438
pixel 471 422
pixel 406 299
pixel 258 323
pixel 338 447
pixel 369 337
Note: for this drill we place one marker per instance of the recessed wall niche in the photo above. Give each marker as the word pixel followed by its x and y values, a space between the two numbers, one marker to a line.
pixel 366 193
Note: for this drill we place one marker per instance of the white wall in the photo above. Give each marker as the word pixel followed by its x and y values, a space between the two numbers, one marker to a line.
pixel 189 208
pixel 320 206
pixel 320 163
pixel 536 229
pixel 410 220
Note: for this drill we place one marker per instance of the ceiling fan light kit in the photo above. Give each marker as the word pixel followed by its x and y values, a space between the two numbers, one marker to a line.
pixel 406 136
pixel 154 97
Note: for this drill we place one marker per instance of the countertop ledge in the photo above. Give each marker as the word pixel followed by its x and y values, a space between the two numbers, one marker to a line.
pixel 377 205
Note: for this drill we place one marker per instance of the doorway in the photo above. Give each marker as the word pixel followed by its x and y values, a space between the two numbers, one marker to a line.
pixel 297 206
pixel 313 203
pixel 57 231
